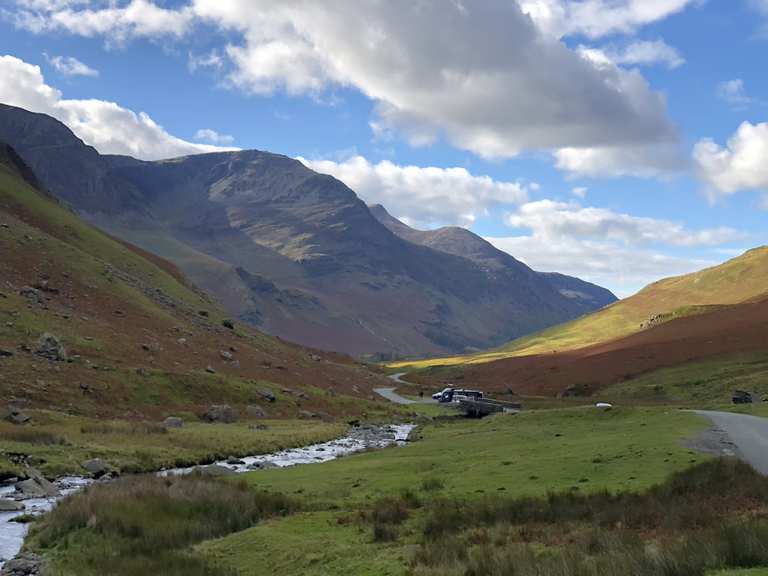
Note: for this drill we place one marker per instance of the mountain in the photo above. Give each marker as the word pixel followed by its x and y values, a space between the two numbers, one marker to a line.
pixel 128 333
pixel 461 242
pixel 717 313
pixel 293 252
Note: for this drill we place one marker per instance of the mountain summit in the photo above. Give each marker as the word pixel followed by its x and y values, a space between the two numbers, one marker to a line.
pixel 297 253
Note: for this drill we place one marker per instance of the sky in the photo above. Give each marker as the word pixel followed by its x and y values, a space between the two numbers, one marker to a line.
pixel 621 141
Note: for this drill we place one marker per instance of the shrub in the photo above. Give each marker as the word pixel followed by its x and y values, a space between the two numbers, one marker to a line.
pixel 149 521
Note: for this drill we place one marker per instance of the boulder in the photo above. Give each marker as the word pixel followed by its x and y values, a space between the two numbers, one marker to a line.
pixel 33 295
pixel 210 370
pixel 266 465
pixel 256 412
pixel 215 470
pixel 227 323
pixel 50 347
pixel 14 416
pixel 222 413
pixel 173 422
pixel 225 355
pixel 267 394
pixel 5 353
pixel 36 486
pixel 234 461
pixel 23 565
pixel 10 505
pixel 96 467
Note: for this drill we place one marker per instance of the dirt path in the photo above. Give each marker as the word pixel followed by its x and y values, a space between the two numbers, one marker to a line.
pixel 739 435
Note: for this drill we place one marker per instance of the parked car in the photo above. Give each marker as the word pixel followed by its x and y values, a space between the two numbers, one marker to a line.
pixel 456 394
pixel 742 397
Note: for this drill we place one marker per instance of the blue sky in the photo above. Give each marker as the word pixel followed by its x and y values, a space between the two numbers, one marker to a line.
pixel 618 140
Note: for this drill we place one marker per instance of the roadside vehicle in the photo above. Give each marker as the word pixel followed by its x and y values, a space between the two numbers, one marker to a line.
pixel 456 394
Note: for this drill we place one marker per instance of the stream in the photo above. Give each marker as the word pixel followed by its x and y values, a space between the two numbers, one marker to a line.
pixel 363 438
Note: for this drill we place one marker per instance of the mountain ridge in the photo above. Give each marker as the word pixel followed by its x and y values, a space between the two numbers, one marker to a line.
pixel 336 277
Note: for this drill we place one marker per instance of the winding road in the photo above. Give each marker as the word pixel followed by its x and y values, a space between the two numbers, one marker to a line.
pixel 742 435
pixel 391 394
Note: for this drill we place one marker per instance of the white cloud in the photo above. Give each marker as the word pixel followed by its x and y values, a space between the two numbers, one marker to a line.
pixel 580 192
pixel 422 195
pixel 732 91
pixel 70 66
pixel 136 18
pixel 433 68
pixel 598 18
pixel 558 221
pixel 646 161
pixel 212 60
pixel 107 126
pixel 740 165
pixel 622 269
pixel 208 135
pixel 640 53
pixel 619 251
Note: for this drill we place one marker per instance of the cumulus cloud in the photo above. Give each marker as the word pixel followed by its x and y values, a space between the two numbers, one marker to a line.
pixel 645 161
pixel 550 220
pixel 733 92
pixel 640 53
pixel 208 135
pixel 613 249
pixel 623 269
pixel 598 18
pixel 136 18
pixel 433 68
pixel 108 127
pixel 422 195
pixel 70 66
pixel 739 165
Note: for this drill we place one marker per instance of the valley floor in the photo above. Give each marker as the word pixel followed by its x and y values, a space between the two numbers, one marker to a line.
pixel 397 511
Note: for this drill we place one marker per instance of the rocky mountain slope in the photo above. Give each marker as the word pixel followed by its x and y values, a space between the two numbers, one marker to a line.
pixel 461 242
pixel 291 251
pixel 94 326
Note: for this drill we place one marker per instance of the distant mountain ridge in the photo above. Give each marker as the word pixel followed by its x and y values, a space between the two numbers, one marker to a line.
pixel 296 252
pixel 462 242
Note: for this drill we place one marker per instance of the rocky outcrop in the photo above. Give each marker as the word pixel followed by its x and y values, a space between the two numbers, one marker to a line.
pixel 23 565
pixel 51 348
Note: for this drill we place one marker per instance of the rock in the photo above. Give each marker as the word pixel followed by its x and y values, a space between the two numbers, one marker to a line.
pixel 266 465
pixel 173 422
pixel 14 416
pixel 215 470
pixel 36 486
pixel 227 323
pixel 10 506
pixel 267 394
pixel 33 295
pixel 259 427
pixel 203 313
pixel 307 414
pixel 315 357
pixel 256 412
pixel 233 461
pixel 50 347
pixel 143 372
pixel 222 413
pixel 226 356
pixel 96 467
pixel 5 353
pixel 45 286
pixel 23 565
pixel 210 370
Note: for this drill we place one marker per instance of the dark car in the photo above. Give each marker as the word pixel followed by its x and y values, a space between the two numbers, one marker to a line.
pixel 742 397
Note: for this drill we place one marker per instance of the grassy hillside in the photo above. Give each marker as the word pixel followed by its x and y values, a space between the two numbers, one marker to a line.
pixel 739 280
pixel 140 343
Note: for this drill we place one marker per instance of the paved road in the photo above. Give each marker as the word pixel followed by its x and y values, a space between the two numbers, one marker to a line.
pixel 749 435
pixel 391 395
